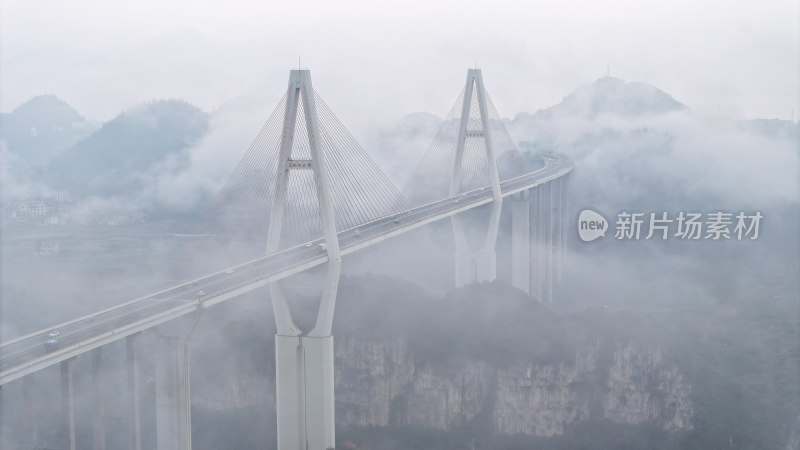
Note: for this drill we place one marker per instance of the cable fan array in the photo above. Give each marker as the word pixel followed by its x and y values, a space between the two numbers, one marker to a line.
pixel 431 179
pixel 359 189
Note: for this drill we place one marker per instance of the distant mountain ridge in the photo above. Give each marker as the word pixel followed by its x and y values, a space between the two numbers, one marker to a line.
pixel 56 146
pixel 612 95
pixel 113 160
pixel 42 127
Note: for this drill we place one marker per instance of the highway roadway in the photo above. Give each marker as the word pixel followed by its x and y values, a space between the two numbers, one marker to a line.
pixel 28 354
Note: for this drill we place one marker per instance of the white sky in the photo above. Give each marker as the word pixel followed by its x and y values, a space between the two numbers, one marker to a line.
pixel 373 61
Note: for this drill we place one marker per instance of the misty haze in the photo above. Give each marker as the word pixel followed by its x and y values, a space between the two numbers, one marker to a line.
pixel 423 250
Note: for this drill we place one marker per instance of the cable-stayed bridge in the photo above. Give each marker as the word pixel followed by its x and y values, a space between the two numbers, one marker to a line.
pixel 308 194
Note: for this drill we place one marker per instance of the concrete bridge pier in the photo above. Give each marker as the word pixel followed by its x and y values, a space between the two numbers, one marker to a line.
pixel 99 431
pixel 173 400
pixel 549 228
pixel 68 404
pixel 521 241
pixel 556 212
pixel 319 388
pixel 28 397
pixel 472 267
pixel 305 396
pixel 475 266
pixel 543 216
pixel 563 184
pixel 542 231
pixel 304 375
pixel 537 249
pixel 132 367
pixel 290 393
pixel 173 413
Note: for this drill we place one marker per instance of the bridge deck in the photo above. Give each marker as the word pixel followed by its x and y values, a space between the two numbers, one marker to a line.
pixel 28 354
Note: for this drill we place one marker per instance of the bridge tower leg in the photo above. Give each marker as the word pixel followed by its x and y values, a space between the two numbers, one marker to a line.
pixel 471 265
pixel 173 400
pixel 304 361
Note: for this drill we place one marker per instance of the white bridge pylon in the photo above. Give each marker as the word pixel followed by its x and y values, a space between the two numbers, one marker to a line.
pixel 304 361
pixel 475 265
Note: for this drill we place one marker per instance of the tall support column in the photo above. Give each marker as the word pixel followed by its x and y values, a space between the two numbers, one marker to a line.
pixel 520 241
pixel 2 420
pixel 534 210
pixel 474 266
pixel 561 227
pixel 304 361
pixel 68 404
pixel 541 253
pixel 173 399
pixel 134 419
pixel 173 414
pixel 548 253
pixel 290 392
pixel 481 265
pixel 541 242
pixel 564 221
pixel 538 239
pixel 99 438
pixel 320 426
pixel 558 230
pixel 29 398
pixel 305 395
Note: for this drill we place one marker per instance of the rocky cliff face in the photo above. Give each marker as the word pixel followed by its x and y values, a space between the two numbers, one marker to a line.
pixel 566 378
pixel 641 387
pixel 380 383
